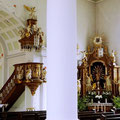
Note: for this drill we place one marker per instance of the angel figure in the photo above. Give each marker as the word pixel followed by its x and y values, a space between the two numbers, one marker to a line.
pixel 31 10
pixel 28 73
pixel 79 86
pixel 84 55
pixel 113 56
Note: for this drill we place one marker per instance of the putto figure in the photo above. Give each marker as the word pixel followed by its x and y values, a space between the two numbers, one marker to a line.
pixel 31 10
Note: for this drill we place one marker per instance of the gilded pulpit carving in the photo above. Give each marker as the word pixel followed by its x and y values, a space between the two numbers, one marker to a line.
pixel 30 74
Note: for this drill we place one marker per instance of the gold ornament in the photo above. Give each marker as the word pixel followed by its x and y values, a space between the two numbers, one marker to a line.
pixel 27 34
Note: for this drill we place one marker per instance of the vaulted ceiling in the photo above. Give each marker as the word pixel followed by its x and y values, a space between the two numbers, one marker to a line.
pixel 9 28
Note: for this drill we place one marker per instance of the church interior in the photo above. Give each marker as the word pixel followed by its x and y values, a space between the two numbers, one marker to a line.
pixel 59 60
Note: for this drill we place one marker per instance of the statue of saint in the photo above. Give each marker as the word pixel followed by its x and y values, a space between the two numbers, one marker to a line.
pixel 20 72
pixel 88 82
pixel 84 55
pixel 108 83
pixel 79 86
pixel 113 56
pixel 28 73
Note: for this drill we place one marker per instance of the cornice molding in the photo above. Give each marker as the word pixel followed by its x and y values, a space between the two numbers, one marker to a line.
pixel 15 55
pixel 95 1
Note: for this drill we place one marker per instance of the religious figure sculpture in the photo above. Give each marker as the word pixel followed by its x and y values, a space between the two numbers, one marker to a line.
pixel 28 73
pixel 88 82
pixel 36 72
pixel 79 86
pixel 31 10
pixel 108 83
pixel 113 56
pixel 99 80
pixel 20 72
pixel 84 55
pixel 94 86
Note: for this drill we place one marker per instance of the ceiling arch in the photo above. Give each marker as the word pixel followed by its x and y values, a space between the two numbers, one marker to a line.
pixel 9 28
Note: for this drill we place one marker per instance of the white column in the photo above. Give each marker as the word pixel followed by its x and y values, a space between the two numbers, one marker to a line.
pixel 43 93
pixel 33 56
pixel 32 101
pixel 61 58
pixel 28 98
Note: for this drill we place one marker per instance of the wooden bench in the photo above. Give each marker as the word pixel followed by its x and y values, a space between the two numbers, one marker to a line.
pixel 110 117
pixel 88 115
pixel 91 115
pixel 115 118
pixel 32 115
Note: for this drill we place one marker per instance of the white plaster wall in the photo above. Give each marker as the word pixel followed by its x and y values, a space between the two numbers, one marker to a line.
pixel 11 61
pixel 85 22
pixel 108 23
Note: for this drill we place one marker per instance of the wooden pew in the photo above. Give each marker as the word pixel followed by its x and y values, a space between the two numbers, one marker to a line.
pixel 108 113
pixel 115 118
pixel 88 115
pixel 91 115
pixel 110 117
pixel 31 115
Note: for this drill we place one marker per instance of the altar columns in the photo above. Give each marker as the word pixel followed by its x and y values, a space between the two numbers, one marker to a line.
pixel 61 58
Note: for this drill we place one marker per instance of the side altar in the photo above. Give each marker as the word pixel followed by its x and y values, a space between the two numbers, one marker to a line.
pixel 99 75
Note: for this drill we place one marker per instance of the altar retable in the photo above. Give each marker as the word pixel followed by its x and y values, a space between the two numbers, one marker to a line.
pixel 99 73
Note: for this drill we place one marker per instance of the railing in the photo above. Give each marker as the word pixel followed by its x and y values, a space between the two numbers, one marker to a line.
pixel 6 89
pixel 30 74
